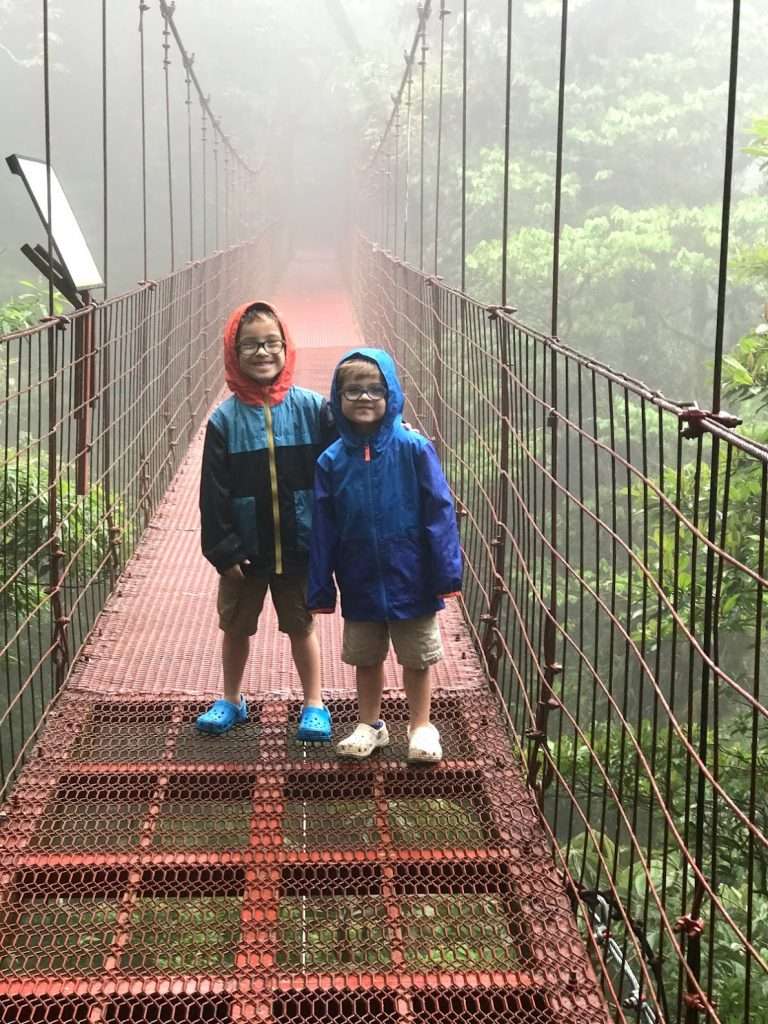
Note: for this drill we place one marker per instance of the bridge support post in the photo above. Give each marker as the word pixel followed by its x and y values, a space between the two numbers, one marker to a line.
pixel 114 532
pixel 540 770
pixel 85 354
pixel 60 619
pixel 438 411
pixel 492 646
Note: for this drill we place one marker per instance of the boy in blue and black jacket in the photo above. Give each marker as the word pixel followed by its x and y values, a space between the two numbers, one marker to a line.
pixel 384 525
pixel 261 444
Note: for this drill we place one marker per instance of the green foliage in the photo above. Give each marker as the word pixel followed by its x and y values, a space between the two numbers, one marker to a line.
pixel 26 309
pixel 82 530
pixel 759 146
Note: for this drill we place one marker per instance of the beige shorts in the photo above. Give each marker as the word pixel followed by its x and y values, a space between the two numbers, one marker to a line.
pixel 240 602
pixel 416 641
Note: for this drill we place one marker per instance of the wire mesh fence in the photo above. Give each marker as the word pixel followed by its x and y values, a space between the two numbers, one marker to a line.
pixel 615 573
pixel 96 410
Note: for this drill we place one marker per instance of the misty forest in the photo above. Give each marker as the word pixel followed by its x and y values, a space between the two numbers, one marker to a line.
pixel 646 288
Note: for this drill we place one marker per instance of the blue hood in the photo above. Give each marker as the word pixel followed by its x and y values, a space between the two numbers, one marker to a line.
pixel 395 401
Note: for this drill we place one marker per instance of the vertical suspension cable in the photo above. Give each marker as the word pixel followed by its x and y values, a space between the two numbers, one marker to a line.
pixel 396 181
pixel 240 205
pixel 143 7
pixel 47 130
pixel 711 600
pixel 204 177
pixel 507 112
pixel 390 195
pixel 423 65
pixel 407 196
pixel 383 225
pixel 227 239
pixel 726 216
pixel 104 142
pixel 443 14
pixel 552 668
pixel 166 65
pixel 52 455
pixel 463 274
pixel 559 170
pixel 190 184
pixel 216 185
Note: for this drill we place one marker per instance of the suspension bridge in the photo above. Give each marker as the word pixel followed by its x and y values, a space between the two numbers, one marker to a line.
pixel 563 863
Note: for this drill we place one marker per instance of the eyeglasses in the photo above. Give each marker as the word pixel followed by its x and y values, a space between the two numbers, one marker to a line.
pixel 375 392
pixel 272 347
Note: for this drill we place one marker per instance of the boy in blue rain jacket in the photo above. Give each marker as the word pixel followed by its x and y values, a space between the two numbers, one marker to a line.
pixel 384 525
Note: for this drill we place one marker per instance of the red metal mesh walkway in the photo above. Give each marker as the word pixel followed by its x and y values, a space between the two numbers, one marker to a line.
pixel 148 873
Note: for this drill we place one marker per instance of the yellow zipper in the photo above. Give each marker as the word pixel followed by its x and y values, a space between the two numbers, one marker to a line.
pixel 275 497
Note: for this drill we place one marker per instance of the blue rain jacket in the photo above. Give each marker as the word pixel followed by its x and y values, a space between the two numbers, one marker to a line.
pixel 384 522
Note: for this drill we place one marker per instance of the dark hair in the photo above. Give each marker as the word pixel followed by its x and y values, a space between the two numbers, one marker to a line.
pixel 259 311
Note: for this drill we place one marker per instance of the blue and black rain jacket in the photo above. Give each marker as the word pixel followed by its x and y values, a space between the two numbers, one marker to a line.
pixel 256 485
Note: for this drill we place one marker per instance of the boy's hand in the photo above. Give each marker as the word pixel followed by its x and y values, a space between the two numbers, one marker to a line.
pixel 235 572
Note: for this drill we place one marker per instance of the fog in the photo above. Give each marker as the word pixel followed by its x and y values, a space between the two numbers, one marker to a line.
pixel 285 84
pixel 303 92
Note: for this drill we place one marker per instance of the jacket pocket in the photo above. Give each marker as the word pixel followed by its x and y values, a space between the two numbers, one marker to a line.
pixel 302 507
pixel 244 516
pixel 302 501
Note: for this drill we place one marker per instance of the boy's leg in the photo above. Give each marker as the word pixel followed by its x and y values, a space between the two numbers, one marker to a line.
pixel 305 651
pixel 365 646
pixel 289 599
pixel 293 619
pixel 370 686
pixel 418 646
pixel 234 655
pixel 417 683
pixel 240 601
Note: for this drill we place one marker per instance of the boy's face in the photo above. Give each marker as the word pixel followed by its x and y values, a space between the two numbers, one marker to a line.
pixel 261 350
pixel 360 407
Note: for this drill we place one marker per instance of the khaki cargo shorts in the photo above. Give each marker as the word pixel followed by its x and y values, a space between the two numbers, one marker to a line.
pixel 416 641
pixel 240 602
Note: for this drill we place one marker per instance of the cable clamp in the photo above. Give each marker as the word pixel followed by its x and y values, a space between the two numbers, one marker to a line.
pixel 695 1001
pixel 493 311
pixel 537 735
pixel 691 926
pixel 59 322
pixel 696 419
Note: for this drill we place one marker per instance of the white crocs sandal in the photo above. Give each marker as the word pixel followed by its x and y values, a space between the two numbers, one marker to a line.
pixel 424 745
pixel 362 742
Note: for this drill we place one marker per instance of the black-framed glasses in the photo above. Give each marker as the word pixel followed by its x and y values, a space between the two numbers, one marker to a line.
pixel 375 392
pixel 272 346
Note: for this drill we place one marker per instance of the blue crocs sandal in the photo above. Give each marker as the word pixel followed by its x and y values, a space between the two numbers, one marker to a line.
pixel 314 726
pixel 221 716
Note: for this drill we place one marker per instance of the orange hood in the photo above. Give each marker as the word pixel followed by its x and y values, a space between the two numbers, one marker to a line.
pixel 248 390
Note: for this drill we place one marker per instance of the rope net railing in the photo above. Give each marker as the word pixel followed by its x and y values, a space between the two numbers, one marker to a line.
pixel 615 573
pixel 96 412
